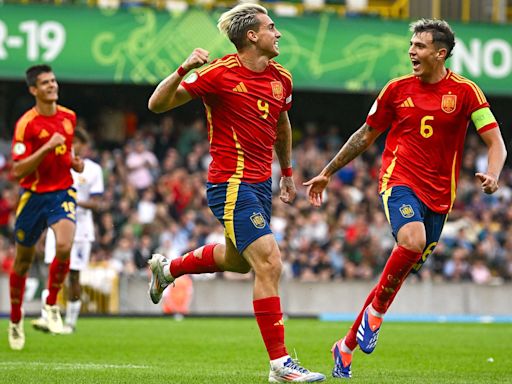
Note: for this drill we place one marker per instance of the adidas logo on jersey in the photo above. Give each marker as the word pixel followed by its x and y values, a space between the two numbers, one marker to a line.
pixel 240 88
pixel 407 103
pixel 44 133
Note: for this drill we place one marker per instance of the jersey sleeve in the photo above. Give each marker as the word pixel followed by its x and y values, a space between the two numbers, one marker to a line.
pixel 199 83
pixel 97 187
pixel 287 80
pixel 479 110
pixel 381 113
pixel 21 144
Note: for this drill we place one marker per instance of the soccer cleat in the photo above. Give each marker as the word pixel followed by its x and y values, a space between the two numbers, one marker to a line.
pixel 16 335
pixel 291 371
pixel 368 333
pixel 67 329
pixel 158 280
pixel 53 317
pixel 342 362
pixel 40 324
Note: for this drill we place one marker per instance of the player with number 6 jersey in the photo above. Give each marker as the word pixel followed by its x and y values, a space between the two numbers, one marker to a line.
pixel 426 115
pixel 416 155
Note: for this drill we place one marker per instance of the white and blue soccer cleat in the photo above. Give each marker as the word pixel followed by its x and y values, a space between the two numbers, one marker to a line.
pixel 290 371
pixel 342 362
pixel 367 334
pixel 158 280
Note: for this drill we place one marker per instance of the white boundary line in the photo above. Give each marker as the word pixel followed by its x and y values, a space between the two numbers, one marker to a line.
pixel 5 365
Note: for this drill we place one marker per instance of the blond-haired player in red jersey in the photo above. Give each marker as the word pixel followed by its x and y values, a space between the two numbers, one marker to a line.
pixel 426 114
pixel 41 151
pixel 246 96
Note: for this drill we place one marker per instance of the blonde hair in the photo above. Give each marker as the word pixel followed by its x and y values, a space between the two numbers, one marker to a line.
pixel 237 21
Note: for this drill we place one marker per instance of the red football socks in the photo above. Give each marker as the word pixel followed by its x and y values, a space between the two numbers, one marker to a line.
pixel 190 264
pixel 57 273
pixel 270 320
pixel 350 338
pixel 17 289
pixel 395 271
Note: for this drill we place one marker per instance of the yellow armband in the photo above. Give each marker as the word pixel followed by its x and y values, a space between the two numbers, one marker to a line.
pixel 483 118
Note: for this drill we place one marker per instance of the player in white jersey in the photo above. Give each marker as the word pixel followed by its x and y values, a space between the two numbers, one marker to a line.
pixel 89 187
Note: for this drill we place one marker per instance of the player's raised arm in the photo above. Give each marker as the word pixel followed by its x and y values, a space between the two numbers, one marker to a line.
pixel 169 93
pixel 356 144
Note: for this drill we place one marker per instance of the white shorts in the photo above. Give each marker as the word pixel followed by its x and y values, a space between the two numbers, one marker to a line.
pixel 80 252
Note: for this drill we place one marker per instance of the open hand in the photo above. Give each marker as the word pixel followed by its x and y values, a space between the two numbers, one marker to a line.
pixel 316 187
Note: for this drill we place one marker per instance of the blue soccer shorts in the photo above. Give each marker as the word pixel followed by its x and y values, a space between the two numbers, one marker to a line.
pixel 243 209
pixel 402 206
pixel 37 211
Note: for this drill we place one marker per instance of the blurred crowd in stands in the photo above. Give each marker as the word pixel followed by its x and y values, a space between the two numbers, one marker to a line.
pixel 154 201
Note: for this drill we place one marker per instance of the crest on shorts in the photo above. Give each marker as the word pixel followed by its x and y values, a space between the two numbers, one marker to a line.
pixel 20 234
pixel 277 90
pixel 406 211
pixel 257 220
pixel 449 103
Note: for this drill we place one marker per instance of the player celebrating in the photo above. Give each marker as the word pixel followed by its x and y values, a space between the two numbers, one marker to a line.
pixel 89 188
pixel 427 114
pixel 41 151
pixel 247 96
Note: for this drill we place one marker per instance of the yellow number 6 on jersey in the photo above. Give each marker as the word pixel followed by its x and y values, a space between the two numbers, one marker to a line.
pixel 426 130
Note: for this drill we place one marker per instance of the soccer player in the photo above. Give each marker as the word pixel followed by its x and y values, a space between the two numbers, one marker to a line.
pixel 42 160
pixel 89 188
pixel 427 113
pixel 246 96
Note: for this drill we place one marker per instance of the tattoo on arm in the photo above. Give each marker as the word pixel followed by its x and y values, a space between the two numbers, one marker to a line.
pixel 356 144
pixel 283 143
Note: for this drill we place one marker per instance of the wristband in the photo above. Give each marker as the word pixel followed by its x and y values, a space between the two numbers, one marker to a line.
pixel 286 172
pixel 181 71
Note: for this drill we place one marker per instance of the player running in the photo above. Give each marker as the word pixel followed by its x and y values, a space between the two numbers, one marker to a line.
pixel 247 96
pixel 427 113
pixel 41 151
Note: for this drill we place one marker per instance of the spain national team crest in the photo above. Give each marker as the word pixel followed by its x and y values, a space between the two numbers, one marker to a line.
pixel 406 211
pixel 258 220
pixel 449 103
pixel 277 90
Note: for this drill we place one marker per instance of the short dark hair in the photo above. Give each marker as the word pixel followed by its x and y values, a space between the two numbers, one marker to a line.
pixel 82 135
pixel 442 33
pixel 34 71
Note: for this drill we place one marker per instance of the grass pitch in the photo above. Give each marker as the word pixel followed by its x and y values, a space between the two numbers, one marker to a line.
pixel 211 351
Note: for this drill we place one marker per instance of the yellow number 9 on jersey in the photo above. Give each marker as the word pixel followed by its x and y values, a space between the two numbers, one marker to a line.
pixel 61 149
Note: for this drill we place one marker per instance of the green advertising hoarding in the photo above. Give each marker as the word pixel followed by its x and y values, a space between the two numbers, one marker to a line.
pixel 143 45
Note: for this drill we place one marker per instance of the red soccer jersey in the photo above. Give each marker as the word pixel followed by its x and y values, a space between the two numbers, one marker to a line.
pixel 428 125
pixel 242 110
pixel 31 132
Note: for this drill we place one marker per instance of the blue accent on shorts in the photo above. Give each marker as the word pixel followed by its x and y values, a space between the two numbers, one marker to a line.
pixel 41 211
pixel 243 209
pixel 404 207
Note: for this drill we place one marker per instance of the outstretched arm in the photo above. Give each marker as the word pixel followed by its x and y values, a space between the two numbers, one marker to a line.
pixel 356 144
pixel 169 93
pixel 496 156
pixel 283 148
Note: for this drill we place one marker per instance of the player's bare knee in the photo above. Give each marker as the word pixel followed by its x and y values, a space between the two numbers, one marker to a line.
pixel 413 244
pixel 270 269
